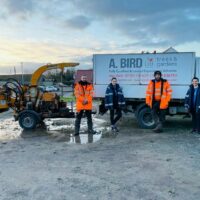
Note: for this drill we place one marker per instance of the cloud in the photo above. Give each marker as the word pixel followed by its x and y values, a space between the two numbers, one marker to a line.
pixel 152 21
pixel 16 50
pixel 21 8
pixel 160 31
pixel 148 22
pixel 55 11
pixel 130 8
pixel 13 52
pixel 78 22
pixel 111 26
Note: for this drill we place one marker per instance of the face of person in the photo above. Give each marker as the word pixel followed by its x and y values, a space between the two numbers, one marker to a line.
pixel 114 81
pixel 195 82
pixel 157 77
pixel 84 78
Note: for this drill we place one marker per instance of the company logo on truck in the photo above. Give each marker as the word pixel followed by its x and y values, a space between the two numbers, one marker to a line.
pixel 126 63
pixel 167 61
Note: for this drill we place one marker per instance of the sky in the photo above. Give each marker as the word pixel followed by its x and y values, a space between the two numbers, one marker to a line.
pixel 37 32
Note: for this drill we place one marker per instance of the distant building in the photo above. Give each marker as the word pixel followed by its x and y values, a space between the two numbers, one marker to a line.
pixel 170 50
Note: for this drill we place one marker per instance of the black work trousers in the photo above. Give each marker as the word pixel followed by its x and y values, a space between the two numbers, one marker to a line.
pixel 79 115
pixel 196 121
pixel 158 114
pixel 113 119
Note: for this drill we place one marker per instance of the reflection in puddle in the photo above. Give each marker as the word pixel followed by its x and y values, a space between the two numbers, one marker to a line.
pixel 84 138
pixel 62 130
pixel 71 139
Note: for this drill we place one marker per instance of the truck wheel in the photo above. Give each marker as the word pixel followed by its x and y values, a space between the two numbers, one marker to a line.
pixel 145 118
pixel 138 108
pixel 28 121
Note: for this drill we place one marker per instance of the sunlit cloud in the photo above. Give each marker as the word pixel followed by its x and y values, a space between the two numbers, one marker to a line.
pixel 46 31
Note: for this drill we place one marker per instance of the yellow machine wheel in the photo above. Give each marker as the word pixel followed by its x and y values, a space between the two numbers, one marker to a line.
pixel 28 120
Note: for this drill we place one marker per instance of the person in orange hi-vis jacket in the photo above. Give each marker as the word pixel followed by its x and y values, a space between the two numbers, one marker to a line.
pixel 84 93
pixel 158 96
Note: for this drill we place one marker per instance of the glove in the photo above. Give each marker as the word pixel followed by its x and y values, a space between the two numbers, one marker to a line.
pixel 85 101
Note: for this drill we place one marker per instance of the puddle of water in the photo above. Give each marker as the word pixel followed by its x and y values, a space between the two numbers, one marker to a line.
pixel 59 136
pixel 67 127
pixel 60 130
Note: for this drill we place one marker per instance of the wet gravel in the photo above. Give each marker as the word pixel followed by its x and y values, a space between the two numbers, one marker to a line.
pixel 134 164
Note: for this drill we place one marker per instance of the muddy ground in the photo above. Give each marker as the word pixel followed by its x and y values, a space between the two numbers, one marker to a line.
pixel 135 164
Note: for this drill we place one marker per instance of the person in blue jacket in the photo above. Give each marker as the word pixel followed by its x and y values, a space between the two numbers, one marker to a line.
pixel 192 104
pixel 115 102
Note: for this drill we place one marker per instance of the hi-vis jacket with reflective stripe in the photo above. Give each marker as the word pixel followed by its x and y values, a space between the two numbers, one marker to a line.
pixel 82 93
pixel 158 91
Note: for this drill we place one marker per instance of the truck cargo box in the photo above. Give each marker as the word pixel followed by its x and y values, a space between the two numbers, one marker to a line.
pixel 134 71
pixel 198 67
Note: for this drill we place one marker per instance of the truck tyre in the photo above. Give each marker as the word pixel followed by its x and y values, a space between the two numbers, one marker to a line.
pixel 138 108
pixel 145 118
pixel 28 120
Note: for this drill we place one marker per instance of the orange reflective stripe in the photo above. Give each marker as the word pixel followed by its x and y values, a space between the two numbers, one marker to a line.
pixel 149 91
pixel 78 92
pixel 164 97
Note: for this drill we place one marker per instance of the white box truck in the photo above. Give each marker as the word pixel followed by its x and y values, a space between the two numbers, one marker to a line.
pixel 134 71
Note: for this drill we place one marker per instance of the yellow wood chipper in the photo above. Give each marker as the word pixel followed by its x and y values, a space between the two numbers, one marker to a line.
pixel 32 105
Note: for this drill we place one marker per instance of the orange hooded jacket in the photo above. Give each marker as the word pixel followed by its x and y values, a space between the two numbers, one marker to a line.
pixel 158 91
pixel 83 94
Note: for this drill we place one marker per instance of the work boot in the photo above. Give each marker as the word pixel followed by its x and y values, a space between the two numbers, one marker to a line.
pixel 159 128
pixel 116 129
pixel 112 128
pixel 193 131
pixel 92 132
